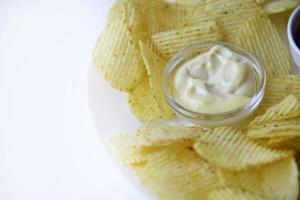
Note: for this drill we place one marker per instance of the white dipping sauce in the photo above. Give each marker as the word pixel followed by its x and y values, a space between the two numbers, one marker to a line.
pixel 217 81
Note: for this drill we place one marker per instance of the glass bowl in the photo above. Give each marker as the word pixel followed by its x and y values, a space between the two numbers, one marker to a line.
pixel 232 117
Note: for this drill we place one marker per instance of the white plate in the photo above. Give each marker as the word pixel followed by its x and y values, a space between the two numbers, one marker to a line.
pixel 111 113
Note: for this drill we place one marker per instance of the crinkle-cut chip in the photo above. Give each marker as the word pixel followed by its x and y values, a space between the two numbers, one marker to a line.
pixel 261 1
pixel 289 128
pixel 127 149
pixel 278 142
pixel 260 36
pixel 176 172
pixel 117 12
pixel 175 16
pixel 165 16
pixel 117 59
pixel 228 148
pixel 288 108
pixel 189 2
pixel 287 143
pixel 171 42
pixel 233 194
pixel 265 180
pixel 158 133
pixel 281 179
pixel 143 104
pixel 136 21
pixel 250 180
pixel 230 15
pixel 278 88
pixel 198 10
pixel 279 6
pixel 202 17
pixel 280 21
pixel 155 67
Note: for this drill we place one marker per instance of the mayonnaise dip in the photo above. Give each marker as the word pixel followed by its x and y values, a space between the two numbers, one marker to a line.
pixel 217 81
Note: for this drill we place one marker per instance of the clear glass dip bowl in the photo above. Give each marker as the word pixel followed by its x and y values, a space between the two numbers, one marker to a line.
pixel 233 117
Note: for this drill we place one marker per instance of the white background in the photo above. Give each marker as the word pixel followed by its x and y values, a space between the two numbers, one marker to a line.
pixel 49 148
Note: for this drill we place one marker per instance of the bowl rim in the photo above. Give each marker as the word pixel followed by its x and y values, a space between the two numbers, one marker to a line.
pixel 295 15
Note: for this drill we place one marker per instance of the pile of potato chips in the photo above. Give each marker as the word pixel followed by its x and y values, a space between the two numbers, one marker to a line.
pixel 257 161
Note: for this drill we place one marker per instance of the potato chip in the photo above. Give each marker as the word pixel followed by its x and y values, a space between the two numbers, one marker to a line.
pixel 175 16
pixel 171 42
pixel 259 36
pixel 117 59
pixel 262 1
pixel 165 16
pixel 266 180
pixel 278 88
pixel 281 21
pixel 143 104
pixel 250 180
pixel 230 15
pixel 228 148
pixel 277 142
pixel 155 68
pixel 117 12
pixel 159 133
pixel 290 128
pixel 281 179
pixel 233 194
pixel 126 149
pixel 177 172
pixel 288 108
pixel 278 6
pixel 189 2
pixel 198 11
pixel 136 22
pixel 287 143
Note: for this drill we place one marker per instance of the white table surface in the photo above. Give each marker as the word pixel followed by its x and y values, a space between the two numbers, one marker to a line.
pixel 49 147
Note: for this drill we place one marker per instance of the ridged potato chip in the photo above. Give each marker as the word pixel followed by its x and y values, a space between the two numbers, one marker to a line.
pixel 165 16
pixel 171 42
pixel 278 88
pixel 175 16
pixel 155 68
pixel 278 6
pixel 189 2
pixel 286 142
pixel 143 104
pixel 199 11
pixel 281 21
pixel 126 148
pixel 230 15
pixel 281 179
pixel 162 134
pixel 177 172
pixel 117 59
pixel 277 180
pixel 282 143
pixel 228 148
pixel 260 36
pixel 289 128
pixel 288 108
pixel 136 21
pixel 233 194
pixel 250 180
pixel 291 144
pixel 117 12
pixel 262 1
